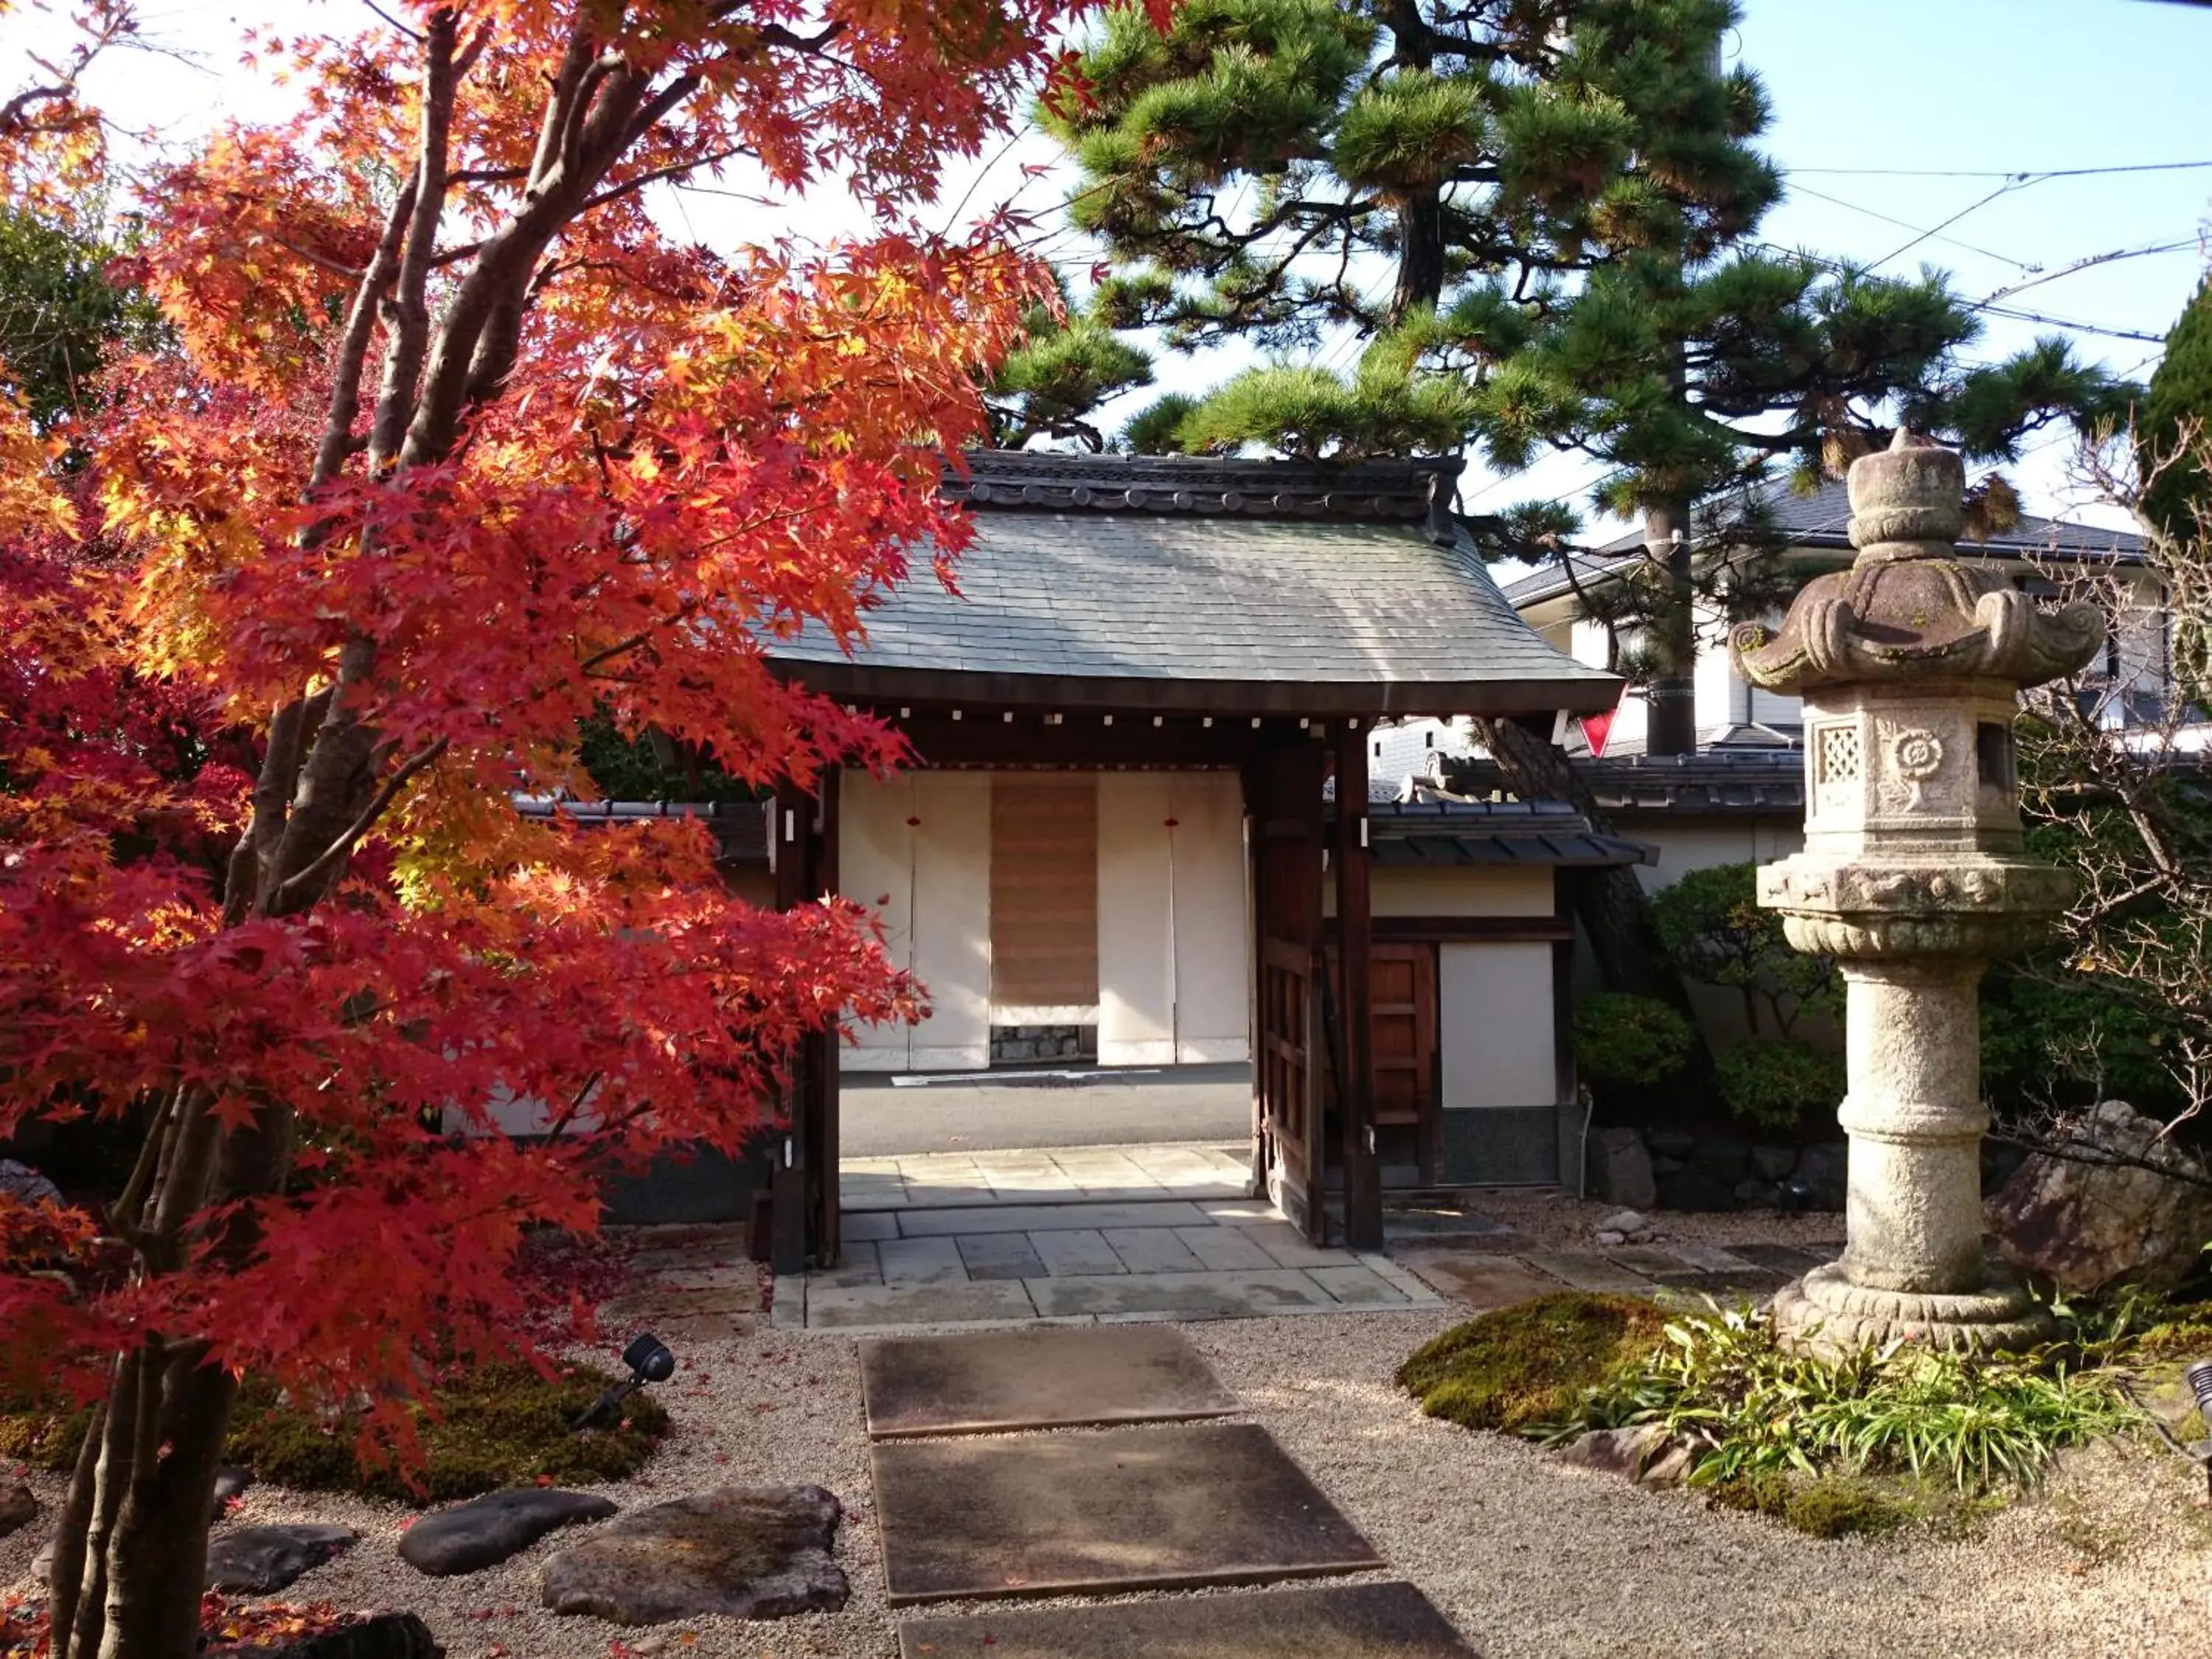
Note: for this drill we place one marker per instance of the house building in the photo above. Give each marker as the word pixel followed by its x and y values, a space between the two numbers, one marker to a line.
pixel 1741 795
pixel 1813 533
pixel 1119 836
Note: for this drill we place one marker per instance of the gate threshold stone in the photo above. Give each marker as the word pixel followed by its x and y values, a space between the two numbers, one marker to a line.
pixel 1053 1378
pixel 1162 1507
pixel 1342 1622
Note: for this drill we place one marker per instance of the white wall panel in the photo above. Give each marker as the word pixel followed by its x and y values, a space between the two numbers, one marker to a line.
pixel 1136 1011
pixel 952 919
pixel 1213 957
pixel 1494 1032
pixel 1473 890
pixel 915 849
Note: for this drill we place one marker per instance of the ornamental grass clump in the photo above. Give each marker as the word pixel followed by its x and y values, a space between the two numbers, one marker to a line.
pixel 1723 1384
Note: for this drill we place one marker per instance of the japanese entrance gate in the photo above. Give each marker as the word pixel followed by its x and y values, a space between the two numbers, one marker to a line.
pixel 1122 613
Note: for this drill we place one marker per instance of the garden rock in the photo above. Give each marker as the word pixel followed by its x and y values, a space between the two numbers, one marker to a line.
pixel 1757 1194
pixel 2088 1226
pixel 1620 1167
pixel 1823 1170
pixel 26 1185
pixel 751 1552
pixel 1627 1223
pixel 1693 1189
pixel 1616 1451
pixel 386 1636
pixel 259 1560
pixel 1773 1163
pixel 230 1485
pixel 1726 1158
pixel 485 1531
pixel 18 1508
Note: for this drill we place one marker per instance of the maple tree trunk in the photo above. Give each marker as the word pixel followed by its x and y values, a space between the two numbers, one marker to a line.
pixel 130 1555
pixel 1609 903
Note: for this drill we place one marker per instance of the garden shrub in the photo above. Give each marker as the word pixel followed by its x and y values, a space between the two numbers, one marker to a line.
pixel 1975 1422
pixel 1621 1038
pixel 495 1427
pixel 1515 1368
pixel 1775 1082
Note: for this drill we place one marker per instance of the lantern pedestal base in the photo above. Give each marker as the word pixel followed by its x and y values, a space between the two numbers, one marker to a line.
pixel 1824 1313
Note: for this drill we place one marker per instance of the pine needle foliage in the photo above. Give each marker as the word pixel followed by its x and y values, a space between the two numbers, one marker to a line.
pixel 2180 402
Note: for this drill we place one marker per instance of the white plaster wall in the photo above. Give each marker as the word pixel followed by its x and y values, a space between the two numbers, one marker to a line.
pixel 1469 891
pixel 1494 1031
pixel 1136 1011
pixel 929 880
pixel 1173 961
pixel 1698 844
pixel 1212 957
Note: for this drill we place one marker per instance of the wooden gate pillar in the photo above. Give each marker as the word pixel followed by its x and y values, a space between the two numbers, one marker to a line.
pixel 793 842
pixel 1363 1177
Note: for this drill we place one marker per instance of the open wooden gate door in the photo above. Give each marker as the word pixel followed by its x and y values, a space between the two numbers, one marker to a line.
pixel 1282 797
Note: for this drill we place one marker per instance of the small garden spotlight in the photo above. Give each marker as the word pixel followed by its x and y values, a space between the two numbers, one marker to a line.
pixel 649 1361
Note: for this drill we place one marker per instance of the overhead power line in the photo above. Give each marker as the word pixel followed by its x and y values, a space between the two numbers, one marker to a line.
pixel 2023 175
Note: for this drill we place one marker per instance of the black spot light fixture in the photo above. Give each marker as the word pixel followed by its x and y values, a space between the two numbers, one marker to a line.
pixel 649 1361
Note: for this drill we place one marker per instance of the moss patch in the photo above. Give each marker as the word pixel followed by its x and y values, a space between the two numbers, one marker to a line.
pixel 502 1427
pixel 1520 1367
pixel 1825 1505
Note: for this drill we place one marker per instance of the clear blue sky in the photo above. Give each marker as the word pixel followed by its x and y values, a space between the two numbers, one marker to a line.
pixel 1968 85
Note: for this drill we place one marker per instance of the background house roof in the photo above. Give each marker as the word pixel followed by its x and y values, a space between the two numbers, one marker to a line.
pixel 1109 581
pixel 1726 781
pixel 1822 519
pixel 1438 835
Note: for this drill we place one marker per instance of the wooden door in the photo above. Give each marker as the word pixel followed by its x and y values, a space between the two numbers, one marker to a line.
pixel 1405 1026
pixel 1283 787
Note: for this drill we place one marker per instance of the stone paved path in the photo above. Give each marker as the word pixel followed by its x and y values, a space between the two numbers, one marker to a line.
pixel 1143 1505
pixel 1096 1262
pixel 1495 1269
pixel 1049 1175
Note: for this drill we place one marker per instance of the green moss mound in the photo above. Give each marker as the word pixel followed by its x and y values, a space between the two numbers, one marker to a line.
pixel 1825 1505
pixel 1519 1368
pixel 496 1427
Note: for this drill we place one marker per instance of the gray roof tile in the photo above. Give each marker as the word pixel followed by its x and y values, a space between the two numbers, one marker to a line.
pixel 1083 595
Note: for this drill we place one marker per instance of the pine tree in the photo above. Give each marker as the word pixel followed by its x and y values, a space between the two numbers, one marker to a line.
pixel 2179 398
pixel 1563 196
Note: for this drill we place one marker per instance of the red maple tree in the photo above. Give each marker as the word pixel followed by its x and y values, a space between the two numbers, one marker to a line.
pixel 453 446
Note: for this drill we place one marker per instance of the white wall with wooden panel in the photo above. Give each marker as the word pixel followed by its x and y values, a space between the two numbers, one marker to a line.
pixel 1174 957
pixel 915 849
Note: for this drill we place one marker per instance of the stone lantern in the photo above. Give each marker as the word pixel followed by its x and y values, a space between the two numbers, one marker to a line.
pixel 1913 877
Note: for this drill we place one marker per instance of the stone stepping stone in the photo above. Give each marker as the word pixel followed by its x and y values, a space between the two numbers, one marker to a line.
pixel 748 1552
pixel 1153 1507
pixel 260 1559
pixel 1342 1622
pixel 992 1382
pixel 485 1531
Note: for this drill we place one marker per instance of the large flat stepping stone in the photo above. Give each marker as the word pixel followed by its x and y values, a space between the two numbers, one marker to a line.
pixel 749 1551
pixel 485 1531
pixel 1342 1621
pixel 992 1382
pixel 1152 1508
pixel 260 1559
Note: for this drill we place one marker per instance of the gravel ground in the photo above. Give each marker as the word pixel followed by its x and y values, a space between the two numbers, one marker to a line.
pixel 1556 1221
pixel 1527 1556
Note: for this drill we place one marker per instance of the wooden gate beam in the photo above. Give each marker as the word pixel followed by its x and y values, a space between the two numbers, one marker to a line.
pixel 1362 1169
